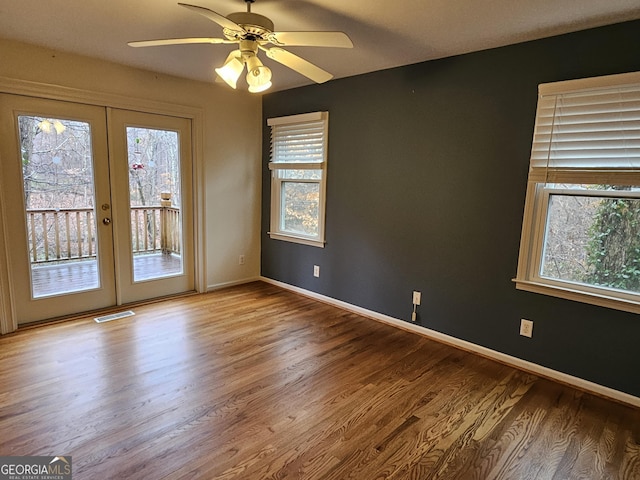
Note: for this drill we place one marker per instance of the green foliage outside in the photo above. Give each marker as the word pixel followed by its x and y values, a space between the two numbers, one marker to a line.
pixel 613 249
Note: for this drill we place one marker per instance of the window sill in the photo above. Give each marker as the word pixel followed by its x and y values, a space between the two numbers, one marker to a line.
pixel 295 239
pixel 599 299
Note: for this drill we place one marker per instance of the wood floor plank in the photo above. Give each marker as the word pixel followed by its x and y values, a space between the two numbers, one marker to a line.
pixel 548 443
pixel 255 382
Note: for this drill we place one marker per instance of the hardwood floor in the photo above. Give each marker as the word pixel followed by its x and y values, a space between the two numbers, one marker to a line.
pixel 254 382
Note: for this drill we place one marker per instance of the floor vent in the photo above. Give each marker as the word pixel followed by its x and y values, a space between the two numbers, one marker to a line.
pixel 114 316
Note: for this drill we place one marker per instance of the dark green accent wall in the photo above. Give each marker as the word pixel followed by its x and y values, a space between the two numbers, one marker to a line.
pixel 426 182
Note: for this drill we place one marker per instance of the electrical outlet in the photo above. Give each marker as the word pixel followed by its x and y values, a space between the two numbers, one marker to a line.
pixel 316 271
pixel 417 296
pixel 241 260
pixel 526 328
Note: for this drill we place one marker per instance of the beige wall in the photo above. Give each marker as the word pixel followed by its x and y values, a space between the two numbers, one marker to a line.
pixel 231 143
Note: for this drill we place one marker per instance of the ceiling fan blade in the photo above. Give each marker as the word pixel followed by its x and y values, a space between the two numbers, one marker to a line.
pixel 298 64
pixel 221 20
pixel 311 39
pixel 177 41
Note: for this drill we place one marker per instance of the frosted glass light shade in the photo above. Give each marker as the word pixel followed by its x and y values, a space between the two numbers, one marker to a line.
pixel 258 76
pixel 260 88
pixel 231 70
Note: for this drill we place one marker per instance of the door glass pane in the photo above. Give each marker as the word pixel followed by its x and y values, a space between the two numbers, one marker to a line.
pixel 154 202
pixel 57 170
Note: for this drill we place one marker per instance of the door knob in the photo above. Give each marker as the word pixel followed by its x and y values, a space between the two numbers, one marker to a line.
pixel 106 221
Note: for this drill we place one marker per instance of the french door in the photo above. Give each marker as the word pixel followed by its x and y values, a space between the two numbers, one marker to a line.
pixel 153 246
pixel 97 206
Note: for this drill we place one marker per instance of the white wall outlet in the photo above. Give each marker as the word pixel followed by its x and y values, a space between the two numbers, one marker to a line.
pixel 526 328
pixel 241 260
pixel 316 271
pixel 417 296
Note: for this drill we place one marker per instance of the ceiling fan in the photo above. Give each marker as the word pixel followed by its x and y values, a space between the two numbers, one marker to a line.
pixel 253 32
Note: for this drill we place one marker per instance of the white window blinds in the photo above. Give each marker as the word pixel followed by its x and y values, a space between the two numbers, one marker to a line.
pixel 299 139
pixel 588 124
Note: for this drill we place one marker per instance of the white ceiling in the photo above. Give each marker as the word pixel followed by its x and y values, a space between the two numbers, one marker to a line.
pixel 385 33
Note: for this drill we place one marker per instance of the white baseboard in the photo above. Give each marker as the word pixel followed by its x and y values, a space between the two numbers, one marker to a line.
pixel 218 286
pixel 518 363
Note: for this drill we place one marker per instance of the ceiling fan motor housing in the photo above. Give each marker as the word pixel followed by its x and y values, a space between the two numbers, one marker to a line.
pixel 256 26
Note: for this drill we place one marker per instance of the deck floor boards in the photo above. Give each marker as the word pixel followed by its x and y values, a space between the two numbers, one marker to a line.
pixel 83 275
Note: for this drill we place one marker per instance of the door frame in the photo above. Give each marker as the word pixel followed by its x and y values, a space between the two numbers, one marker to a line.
pixel 8 320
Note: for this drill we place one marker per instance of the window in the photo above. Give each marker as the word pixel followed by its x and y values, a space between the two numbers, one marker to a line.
pixel 581 227
pixel 298 177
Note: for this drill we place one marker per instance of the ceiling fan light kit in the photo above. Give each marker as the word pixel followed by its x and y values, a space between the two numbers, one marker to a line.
pixel 253 32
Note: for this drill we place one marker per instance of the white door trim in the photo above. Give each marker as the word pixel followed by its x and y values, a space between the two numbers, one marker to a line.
pixel 8 321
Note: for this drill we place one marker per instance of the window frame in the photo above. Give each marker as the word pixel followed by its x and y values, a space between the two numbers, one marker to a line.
pixel 534 225
pixel 276 166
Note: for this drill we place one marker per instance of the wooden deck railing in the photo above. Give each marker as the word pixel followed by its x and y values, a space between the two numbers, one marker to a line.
pixel 69 233
pixel 155 229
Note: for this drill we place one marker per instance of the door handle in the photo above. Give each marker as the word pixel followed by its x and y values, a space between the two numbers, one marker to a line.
pixel 106 221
